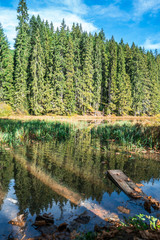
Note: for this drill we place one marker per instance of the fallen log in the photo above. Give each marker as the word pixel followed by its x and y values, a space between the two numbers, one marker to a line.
pixel 132 190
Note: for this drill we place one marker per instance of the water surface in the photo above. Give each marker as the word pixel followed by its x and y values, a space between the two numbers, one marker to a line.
pixel 63 177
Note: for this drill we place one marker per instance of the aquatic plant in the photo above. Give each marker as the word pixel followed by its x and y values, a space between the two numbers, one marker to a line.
pixel 142 222
pixel 129 134
pixel 16 132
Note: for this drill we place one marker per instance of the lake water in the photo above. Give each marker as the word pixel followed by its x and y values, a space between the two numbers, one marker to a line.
pixel 68 178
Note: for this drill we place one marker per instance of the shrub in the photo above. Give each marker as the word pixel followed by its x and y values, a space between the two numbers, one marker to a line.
pixel 5 110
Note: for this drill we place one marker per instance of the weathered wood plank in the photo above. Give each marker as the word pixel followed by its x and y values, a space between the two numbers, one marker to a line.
pixel 131 189
pixel 125 183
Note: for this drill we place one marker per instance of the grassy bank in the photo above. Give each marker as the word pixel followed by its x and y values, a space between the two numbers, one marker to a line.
pixel 122 133
pixel 129 135
pixel 15 132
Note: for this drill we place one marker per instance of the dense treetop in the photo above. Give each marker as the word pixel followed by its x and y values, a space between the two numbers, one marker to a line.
pixel 67 71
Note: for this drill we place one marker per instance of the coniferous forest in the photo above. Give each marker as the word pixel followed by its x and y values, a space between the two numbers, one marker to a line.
pixel 69 71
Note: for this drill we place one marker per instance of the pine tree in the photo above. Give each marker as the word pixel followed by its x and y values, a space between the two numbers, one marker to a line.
pixel 155 84
pixel 105 77
pixel 97 76
pixel 140 82
pixel 76 36
pixel 124 100
pixel 37 73
pixel 21 57
pixel 58 83
pixel 48 55
pixel 87 72
pixel 112 80
pixel 69 91
pixel 6 70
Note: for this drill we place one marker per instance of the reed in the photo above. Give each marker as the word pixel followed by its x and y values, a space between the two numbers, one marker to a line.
pixel 17 132
pixel 129 134
pixel 122 133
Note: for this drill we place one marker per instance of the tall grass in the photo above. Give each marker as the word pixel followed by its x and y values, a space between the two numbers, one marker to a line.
pixel 128 134
pixel 16 132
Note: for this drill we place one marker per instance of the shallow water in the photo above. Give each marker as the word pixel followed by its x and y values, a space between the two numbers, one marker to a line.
pixel 67 178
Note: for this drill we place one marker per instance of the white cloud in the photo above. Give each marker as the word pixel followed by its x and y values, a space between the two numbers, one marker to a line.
pixel 77 6
pixel 112 11
pixel 8 18
pixel 56 17
pixel 151 45
pixel 143 6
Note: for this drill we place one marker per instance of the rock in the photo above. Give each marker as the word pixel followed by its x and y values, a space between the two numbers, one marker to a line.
pixel 45 219
pixel 18 221
pixel 62 227
pixel 62 236
pixel 83 218
pixel 150 235
pixel 47 230
pixel 124 210
pixel 73 226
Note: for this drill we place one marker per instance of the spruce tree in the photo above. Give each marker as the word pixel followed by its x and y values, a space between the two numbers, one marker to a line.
pixel 140 82
pixel 58 82
pixel 6 70
pixel 37 73
pixel 48 47
pixel 124 99
pixel 76 34
pixel 87 72
pixel 69 91
pixel 105 77
pixel 97 76
pixel 21 58
pixel 112 79
pixel 155 84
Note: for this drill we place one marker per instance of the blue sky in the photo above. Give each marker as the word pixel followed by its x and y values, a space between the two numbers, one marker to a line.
pixel 132 20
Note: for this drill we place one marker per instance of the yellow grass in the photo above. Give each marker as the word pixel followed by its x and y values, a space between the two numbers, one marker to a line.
pixel 76 118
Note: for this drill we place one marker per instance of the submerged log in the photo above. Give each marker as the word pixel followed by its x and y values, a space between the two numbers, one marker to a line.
pixel 131 189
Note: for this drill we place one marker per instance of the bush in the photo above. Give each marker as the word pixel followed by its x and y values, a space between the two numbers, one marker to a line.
pixel 5 110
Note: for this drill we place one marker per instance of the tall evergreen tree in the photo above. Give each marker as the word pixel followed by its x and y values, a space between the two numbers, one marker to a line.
pixel 105 77
pixel 124 99
pixel 97 76
pixel 21 57
pixel 112 80
pixel 48 55
pixel 69 90
pixel 76 34
pixel 37 73
pixel 59 69
pixel 140 82
pixel 6 70
pixel 87 72
pixel 155 84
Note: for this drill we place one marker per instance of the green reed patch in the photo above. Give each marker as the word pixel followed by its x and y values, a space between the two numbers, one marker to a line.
pixel 125 134
pixel 128 134
pixel 16 132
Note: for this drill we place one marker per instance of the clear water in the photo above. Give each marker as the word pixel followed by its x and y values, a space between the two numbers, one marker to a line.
pixel 67 178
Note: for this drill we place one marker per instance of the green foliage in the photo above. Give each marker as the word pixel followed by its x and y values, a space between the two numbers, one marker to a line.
pixel 21 55
pixel 70 71
pixel 16 132
pixel 129 135
pixel 6 70
pixel 5 110
pixel 142 222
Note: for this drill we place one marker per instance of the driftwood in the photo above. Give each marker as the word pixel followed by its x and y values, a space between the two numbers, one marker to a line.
pixel 132 189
